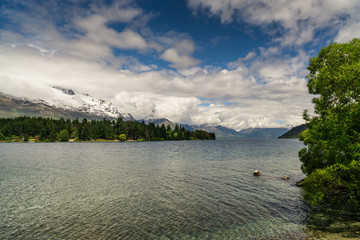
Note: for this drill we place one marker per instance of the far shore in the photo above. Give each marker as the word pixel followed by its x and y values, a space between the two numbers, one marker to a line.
pixel 33 140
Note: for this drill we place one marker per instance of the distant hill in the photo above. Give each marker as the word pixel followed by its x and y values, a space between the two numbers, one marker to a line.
pixel 294 132
pixel 220 131
pixel 262 132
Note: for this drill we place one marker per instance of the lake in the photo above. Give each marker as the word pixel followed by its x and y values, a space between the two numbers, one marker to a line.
pixel 161 190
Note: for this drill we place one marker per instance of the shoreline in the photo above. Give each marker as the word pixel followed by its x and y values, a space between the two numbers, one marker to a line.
pixel 89 141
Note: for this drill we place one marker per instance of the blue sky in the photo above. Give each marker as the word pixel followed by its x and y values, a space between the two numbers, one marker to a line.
pixel 237 63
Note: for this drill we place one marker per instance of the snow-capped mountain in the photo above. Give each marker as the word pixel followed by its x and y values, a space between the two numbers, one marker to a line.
pixel 69 100
pixel 61 102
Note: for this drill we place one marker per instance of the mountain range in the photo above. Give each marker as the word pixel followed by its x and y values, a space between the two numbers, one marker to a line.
pixel 66 103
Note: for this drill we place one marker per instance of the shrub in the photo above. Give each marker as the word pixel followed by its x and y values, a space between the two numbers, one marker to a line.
pixel 64 136
pixel 335 184
pixel 122 137
pixel 2 137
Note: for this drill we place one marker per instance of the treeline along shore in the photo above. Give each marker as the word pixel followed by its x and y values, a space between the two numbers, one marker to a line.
pixel 51 130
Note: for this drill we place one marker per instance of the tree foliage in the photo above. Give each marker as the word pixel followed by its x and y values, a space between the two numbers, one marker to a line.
pixel 333 133
pixel 338 184
pixel 48 129
pixel 122 137
pixel 64 136
pixel 2 137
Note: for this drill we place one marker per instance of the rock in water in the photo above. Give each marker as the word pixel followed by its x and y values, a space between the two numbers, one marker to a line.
pixel 286 177
pixel 300 183
pixel 257 173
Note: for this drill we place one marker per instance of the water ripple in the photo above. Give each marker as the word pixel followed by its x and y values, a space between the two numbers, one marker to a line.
pixel 155 190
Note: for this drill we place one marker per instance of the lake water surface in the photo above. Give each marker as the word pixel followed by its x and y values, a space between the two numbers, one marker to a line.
pixel 160 190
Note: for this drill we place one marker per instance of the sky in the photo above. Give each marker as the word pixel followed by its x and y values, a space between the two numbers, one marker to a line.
pixel 235 63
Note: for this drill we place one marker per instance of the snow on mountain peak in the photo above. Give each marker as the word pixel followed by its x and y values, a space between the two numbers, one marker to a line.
pixel 64 90
pixel 83 102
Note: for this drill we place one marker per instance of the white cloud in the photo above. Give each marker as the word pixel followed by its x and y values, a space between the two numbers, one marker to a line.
pixel 97 32
pixel 143 104
pixel 348 32
pixel 180 54
pixel 241 61
pixel 10 37
pixel 250 113
pixel 249 56
pixel 119 11
pixel 82 33
pixel 298 19
pixel 178 59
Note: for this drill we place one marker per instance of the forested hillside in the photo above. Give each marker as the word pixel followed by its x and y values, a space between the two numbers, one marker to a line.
pixel 294 132
pixel 48 129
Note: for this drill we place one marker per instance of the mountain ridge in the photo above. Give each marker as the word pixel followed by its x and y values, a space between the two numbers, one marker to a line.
pixel 85 103
pixel 294 132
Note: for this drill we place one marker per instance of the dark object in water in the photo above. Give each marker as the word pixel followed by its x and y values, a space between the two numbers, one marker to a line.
pixel 300 183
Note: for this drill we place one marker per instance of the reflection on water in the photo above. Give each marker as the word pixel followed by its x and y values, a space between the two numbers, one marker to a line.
pixel 160 190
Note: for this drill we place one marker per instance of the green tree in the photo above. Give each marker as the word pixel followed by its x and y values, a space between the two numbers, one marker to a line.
pixel 52 136
pixel 85 130
pixel 163 133
pixel 26 138
pixel 2 137
pixel 122 137
pixel 64 136
pixel 332 137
